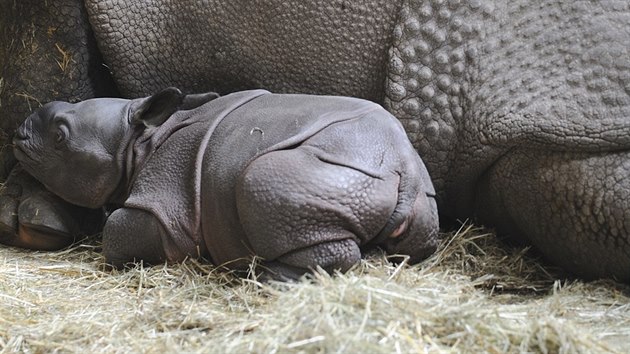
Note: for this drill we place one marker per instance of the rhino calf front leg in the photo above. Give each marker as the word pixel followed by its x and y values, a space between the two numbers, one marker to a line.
pixel 132 235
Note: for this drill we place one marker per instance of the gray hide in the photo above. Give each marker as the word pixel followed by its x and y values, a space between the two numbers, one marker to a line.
pixel 301 181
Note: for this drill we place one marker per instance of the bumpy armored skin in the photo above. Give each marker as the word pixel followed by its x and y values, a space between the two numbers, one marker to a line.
pixel 521 112
pixel 301 181
pixel 489 92
pixel 293 46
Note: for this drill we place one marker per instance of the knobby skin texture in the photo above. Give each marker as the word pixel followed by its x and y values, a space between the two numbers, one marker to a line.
pixel 520 110
pixel 320 46
pixel 522 113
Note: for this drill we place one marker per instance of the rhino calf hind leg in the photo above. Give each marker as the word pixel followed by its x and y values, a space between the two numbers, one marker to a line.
pixel 300 212
pixel 575 208
pixel 132 235
pixel 330 256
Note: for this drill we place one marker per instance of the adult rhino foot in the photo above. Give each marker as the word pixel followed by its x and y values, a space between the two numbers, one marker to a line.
pixel 32 217
pixel 575 208
pixel 46 223
pixel 16 185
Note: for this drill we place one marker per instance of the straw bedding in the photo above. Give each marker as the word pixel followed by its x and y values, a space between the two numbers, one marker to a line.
pixel 474 295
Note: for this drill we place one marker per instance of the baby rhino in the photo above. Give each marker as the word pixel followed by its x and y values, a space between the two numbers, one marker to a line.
pixel 300 181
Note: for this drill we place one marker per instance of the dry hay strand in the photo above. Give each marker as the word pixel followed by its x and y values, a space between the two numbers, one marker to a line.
pixel 474 295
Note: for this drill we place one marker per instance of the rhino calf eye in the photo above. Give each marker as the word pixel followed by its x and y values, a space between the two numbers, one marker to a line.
pixel 61 134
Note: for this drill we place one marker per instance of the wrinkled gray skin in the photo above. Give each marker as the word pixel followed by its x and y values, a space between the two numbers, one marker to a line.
pixel 520 110
pixel 302 181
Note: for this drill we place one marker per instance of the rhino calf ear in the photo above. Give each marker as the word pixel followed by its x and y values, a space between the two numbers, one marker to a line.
pixel 195 100
pixel 155 110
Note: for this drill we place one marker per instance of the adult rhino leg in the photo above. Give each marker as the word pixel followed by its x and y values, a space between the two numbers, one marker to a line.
pixel 574 207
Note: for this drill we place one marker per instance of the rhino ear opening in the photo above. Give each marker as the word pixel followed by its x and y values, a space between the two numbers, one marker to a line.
pixel 155 110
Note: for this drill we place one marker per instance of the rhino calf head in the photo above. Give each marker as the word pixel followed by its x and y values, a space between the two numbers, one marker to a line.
pixel 71 151
pixel 77 150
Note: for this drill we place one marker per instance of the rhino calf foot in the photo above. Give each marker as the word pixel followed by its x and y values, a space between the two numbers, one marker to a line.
pixel 330 256
pixel 132 235
pixel 422 220
pixel 45 223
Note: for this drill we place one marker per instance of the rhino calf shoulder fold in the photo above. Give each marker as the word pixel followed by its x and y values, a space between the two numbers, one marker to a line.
pixel 301 181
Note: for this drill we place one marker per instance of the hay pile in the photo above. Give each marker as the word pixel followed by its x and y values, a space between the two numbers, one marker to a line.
pixel 475 295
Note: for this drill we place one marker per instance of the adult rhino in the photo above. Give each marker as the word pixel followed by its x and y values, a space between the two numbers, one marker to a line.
pixel 519 110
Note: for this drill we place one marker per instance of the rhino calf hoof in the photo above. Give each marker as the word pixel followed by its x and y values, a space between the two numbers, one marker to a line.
pixel 45 224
